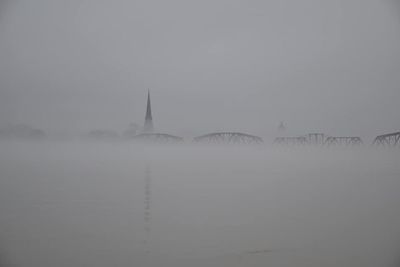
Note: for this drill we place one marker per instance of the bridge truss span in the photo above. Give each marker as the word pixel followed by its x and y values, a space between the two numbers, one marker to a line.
pixel 343 141
pixel 228 138
pixel 291 141
pixel 389 140
pixel 319 139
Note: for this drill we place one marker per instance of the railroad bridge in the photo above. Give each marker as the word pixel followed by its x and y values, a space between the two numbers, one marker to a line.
pixel 312 139
pixel 343 141
pixel 319 139
pixel 228 138
pixel 388 140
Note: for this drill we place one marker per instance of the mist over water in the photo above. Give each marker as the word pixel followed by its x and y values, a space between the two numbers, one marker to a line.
pixel 78 186
pixel 99 204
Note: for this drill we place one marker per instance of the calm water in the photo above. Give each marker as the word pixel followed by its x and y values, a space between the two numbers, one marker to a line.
pixel 81 204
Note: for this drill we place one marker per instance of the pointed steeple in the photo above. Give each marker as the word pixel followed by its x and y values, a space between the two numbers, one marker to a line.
pixel 148 122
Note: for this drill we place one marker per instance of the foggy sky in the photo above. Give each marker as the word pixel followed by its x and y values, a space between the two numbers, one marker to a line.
pixel 330 66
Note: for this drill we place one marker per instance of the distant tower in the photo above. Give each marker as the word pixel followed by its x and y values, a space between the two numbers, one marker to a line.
pixel 148 122
pixel 281 127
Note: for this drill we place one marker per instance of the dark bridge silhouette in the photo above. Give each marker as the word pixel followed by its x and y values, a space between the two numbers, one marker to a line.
pixel 319 139
pixel 159 138
pixel 228 138
pixel 298 140
pixel 316 139
pixel 343 141
pixel 390 140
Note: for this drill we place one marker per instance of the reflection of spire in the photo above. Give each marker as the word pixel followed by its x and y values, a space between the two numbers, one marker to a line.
pixel 148 122
pixel 147 204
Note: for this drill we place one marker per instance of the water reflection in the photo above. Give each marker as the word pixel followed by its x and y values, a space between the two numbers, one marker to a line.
pixel 147 206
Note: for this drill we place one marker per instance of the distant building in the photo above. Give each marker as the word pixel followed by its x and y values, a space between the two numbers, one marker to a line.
pixel 148 122
pixel 281 128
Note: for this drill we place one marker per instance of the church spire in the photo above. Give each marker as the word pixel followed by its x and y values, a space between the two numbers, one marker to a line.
pixel 148 123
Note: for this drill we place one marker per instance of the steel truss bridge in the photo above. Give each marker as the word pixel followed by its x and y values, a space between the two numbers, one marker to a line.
pixel 389 140
pixel 319 139
pixel 343 141
pixel 301 140
pixel 228 138
pixel 316 139
pixel 159 138
pixel 312 139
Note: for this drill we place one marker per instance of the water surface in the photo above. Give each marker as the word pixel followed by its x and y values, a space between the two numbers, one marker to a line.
pixel 95 204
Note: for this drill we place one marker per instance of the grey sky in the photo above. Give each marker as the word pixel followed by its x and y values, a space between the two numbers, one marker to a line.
pixel 330 66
